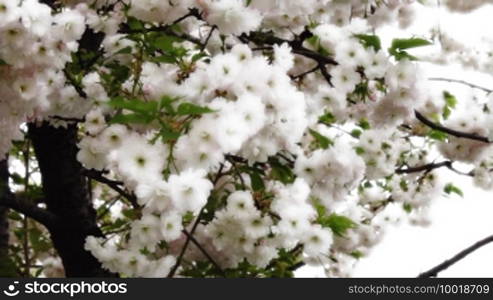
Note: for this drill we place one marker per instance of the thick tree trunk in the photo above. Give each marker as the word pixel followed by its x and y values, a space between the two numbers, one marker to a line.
pixel 67 196
pixel 4 224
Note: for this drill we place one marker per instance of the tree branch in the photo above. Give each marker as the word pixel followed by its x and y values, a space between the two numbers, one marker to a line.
pixel 185 246
pixel 27 208
pixel 31 210
pixel 114 185
pixel 456 133
pixel 472 85
pixel 206 254
pixel 459 256
pixel 263 38
pixel 427 167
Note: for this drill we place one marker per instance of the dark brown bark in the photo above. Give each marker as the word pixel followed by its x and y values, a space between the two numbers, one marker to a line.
pixel 433 272
pixel 67 197
pixel 4 225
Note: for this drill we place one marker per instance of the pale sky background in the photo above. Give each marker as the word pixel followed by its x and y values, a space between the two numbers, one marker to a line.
pixel 457 222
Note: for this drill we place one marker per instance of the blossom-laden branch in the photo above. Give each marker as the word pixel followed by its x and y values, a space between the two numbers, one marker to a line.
pixel 169 29
pixel 430 167
pixel 263 38
pixel 452 132
pixel 459 256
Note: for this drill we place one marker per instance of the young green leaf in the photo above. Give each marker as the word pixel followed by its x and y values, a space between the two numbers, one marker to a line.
pixel 257 182
pixel 399 46
pixel 369 41
pixel 450 99
pixel 337 223
pixel 323 141
pixel 364 124
pixel 327 119
pixel 132 118
pixel 437 135
pixel 192 109
pixel 450 188
pixel 134 105
pixel 281 172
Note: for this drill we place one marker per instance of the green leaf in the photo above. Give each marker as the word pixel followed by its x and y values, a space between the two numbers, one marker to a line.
pixel 401 44
pixel 446 112
pixel 257 182
pixel 323 141
pixel 135 24
pixel 337 223
pixel 198 56
pixel 450 188
pixel 369 41
pixel 39 242
pixel 357 254
pixel 117 224
pixel 132 118
pixel 450 99
pixel 192 109
pixel 437 135
pixel 407 207
pixel 314 41
pixel 450 103
pixel 168 135
pixel 13 215
pixel 134 105
pixel 188 218
pixel 166 103
pixel 130 213
pixel 126 50
pixel 165 59
pixel 281 172
pixel 327 119
pixel 165 42
pixel 356 133
pixel 3 62
pixel 403 185
pixel 360 150
pixel 364 124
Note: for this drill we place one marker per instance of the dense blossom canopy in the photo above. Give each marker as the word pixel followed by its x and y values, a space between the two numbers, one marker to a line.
pixel 250 133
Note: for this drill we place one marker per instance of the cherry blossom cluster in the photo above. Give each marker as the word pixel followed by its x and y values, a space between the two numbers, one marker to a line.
pixel 253 130
pixel 35 44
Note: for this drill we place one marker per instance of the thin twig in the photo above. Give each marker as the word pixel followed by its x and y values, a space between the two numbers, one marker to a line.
pixel 185 246
pixel 209 36
pixel 302 75
pixel 463 82
pixel 80 91
pixel 459 256
pixel 202 249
